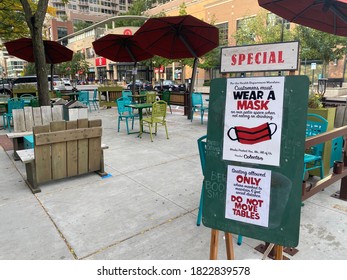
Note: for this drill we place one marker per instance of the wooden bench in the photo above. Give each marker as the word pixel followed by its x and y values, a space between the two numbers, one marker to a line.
pixel 335 82
pixel 25 119
pixel 63 149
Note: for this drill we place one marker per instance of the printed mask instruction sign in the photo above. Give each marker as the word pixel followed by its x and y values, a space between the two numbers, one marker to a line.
pixel 253 120
pixel 248 195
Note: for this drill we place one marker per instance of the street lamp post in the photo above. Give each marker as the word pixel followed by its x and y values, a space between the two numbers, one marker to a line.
pixel 322 86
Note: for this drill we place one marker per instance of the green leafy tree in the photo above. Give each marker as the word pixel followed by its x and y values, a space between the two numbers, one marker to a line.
pixel 262 29
pixel 79 25
pixel 12 21
pixel 317 45
pixel 182 9
pixel 34 14
pixel 77 65
pixel 137 8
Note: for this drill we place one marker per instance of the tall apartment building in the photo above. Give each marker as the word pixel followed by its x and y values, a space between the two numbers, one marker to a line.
pixel 90 7
pixel 90 11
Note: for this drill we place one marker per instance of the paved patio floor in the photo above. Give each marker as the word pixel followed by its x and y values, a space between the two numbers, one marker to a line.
pixel 145 209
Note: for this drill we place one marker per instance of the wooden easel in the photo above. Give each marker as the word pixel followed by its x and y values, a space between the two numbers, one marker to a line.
pixel 214 245
pixel 278 249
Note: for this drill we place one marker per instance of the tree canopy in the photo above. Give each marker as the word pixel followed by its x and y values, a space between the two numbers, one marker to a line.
pixel 318 45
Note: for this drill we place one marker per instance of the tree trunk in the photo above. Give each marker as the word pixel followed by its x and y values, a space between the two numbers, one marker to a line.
pixel 35 20
pixel 41 70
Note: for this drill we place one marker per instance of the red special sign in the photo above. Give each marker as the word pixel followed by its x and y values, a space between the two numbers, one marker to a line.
pixel 265 57
pixel 100 61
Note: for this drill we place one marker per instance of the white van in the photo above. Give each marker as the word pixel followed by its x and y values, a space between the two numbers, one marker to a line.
pixel 25 81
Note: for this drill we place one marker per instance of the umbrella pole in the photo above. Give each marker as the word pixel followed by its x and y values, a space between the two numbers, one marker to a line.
pixel 191 87
pixel 52 77
pixel 134 78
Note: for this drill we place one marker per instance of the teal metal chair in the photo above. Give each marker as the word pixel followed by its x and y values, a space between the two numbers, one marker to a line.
pixel 83 97
pixel 13 103
pixel 336 150
pixel 27 98
pixel 202 153
pixel 198 106
pixel 125 113
pixel 313 156
pixel 95 100
pixel 127 93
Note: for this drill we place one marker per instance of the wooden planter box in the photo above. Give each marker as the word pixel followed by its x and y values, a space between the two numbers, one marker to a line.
pixel 108 95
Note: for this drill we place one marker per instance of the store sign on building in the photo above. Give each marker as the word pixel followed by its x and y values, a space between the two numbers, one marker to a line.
pixel 127 32
pixel 100 61
pixel 265 57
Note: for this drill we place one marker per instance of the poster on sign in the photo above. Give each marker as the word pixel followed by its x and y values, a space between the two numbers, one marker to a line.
pixel 248 195
pixel 253 120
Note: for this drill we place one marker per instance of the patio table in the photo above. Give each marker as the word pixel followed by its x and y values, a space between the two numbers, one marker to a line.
pixel 140 107
pixel 72 95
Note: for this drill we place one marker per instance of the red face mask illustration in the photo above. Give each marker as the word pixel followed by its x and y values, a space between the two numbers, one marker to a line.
pixel 252 135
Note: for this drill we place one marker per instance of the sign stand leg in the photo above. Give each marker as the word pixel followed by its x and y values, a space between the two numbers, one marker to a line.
pixel 214 245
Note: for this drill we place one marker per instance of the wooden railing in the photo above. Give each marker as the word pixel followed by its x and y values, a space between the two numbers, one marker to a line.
pixel 331 178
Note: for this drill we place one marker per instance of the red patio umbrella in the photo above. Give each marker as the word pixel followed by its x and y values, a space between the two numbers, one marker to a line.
pixel 54 52
pixel 325 15
pixel 121 48
pixel 178 37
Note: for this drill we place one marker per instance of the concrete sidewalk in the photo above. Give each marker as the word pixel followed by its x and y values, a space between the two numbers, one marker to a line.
pixel 146 209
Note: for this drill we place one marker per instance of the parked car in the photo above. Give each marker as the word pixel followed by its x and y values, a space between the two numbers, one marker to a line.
pixel 140 85
pixel 170 85
pixel 24 81
pixel 5 87
pixel 66 81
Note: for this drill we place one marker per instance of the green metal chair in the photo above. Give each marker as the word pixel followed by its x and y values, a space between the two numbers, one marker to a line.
pixel 58 94
pixel 151 97
pixel 166 95
pixel 313 156
pixel 158 117
pixel 13 103
pixel 34 102
pixel 125 113
pixel 198 106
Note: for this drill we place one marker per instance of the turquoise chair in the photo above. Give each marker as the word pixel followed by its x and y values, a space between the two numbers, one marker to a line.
pixel 27 98
pixel 13 103
pixel 198 106
pixel 313 156
pixel 127 93
pixel 83 97
pixel 95 100
pixel 202 153
pixel 336 150
pixel 125 113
